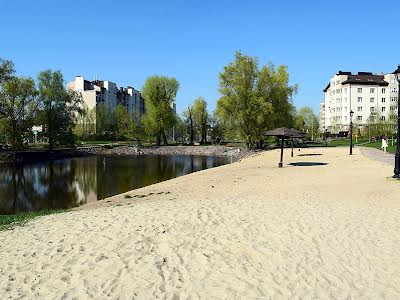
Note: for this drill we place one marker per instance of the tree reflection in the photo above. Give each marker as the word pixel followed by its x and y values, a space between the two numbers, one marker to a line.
pixel 72 182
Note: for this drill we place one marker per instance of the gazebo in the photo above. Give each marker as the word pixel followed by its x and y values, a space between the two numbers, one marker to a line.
pixel 284 133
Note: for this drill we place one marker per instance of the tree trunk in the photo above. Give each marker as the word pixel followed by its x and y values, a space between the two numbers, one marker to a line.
pixel 191 131
pixel 165 138
pixel 158 139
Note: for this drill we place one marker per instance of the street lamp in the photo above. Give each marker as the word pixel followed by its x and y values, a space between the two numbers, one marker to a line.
pixel 397 156
pixel 351 132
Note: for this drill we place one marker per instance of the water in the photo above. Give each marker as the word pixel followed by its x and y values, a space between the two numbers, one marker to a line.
pixel 72 182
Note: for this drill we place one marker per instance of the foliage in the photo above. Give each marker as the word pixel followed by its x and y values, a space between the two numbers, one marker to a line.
pixel 254 100
pixel 86 123
pixel 6 221
pixel 159 94
pixel 18 104
pixel 307 121
pixel 201 118
pixel 189 122
pixel 59 108
pixel 123 121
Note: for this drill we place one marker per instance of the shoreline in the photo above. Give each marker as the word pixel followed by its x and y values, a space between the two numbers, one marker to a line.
pixel 30 156
pixel 242 230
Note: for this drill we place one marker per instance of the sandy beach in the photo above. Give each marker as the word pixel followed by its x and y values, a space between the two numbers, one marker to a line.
pixel 247 230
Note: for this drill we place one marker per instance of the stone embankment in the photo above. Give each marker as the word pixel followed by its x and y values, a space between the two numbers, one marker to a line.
pixel 179 150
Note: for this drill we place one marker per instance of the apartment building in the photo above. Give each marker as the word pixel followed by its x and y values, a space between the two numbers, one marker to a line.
pixel 106 92
pixel 368 95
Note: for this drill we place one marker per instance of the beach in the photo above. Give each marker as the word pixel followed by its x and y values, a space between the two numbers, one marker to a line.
pixel 326 228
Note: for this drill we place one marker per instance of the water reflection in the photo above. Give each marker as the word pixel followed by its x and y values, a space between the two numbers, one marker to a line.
pixel 71 182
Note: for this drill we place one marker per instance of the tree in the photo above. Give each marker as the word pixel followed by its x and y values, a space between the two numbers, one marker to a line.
pixel 18 105
pixel 123 122
pixel 249 96
pixel 86 123
pixel 159 94
pixel 201 117
pixel 188 119
pixel 305 119
pixel 59 109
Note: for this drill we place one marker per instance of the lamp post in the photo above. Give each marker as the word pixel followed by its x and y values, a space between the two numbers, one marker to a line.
pixel 351 132
pixel 397 156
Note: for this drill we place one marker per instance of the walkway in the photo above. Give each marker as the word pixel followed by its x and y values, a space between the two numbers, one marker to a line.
pixel 378 155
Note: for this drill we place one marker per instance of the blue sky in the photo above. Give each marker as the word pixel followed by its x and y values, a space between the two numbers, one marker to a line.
pixel 127 41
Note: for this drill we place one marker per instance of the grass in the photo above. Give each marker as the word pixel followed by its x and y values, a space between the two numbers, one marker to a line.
pixel 7 221
pixel 377 145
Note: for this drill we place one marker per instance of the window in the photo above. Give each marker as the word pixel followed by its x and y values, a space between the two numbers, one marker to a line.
pixel 383 118
pixel 383 100
pixel 383 91
pixel 372 109
pixel 359 99
pixel 359 108
pixel 345 118
pixel 345 90
pixel 345 109
pixel 359 90
pixel 372 99
pixel 383 109
pixel 359 118
pixel 393 108
pixel 372 90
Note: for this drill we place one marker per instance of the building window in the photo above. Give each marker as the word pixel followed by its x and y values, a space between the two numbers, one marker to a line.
pixel 383 109
pixel 372 109
pixel 359 90
pixel 372 90
pixel 359 118
pixel 372 99
pixel 345 109
pixel 359 108
pixel 383 118
pixel 359 99
pixel 345 118
pixel 383 91
pixel 345 90
pixel 383 100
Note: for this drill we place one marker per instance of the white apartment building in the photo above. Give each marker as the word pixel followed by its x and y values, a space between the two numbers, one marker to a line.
pixel 101 91
pixel 322 117
pixel 366 94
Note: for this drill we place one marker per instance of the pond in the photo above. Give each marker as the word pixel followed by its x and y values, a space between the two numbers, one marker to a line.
pixel 71 182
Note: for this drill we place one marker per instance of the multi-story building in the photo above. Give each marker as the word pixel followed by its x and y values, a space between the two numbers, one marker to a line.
pixel 368 95
pixel 322 117
pixel 100 91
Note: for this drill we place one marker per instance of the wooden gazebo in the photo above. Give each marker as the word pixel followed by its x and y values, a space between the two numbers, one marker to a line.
pixel 284 133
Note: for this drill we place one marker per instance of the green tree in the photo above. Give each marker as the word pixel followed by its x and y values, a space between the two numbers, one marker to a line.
pixel 123 122
pixel 18 105
pixel 189 121
pixel 159 94
pixel 59 109
pixel 201 118
pixel 86 123
pixel 249 96
pixel 306 120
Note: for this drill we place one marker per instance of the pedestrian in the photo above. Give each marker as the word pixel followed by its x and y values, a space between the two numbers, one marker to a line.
pixel 384 144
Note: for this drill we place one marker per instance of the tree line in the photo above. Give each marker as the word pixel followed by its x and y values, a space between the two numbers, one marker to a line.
pixel 253 100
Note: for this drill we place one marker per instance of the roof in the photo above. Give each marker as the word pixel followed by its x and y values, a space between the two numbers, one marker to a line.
pixel 284 132
pixel 365 78
pixel 327 87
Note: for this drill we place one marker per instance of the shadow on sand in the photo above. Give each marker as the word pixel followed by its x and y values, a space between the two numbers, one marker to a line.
pixel 310 154
pixel 307 164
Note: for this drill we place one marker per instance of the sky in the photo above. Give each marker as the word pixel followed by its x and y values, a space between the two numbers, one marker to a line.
pixel 127 41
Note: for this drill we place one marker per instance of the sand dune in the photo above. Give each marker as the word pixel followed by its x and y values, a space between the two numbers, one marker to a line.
pixel 243 231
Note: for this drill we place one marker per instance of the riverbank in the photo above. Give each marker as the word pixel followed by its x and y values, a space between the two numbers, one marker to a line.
pixel 324 226
pixel 43 155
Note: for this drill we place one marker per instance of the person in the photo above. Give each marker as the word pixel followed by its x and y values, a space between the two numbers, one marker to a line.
pixel 384 145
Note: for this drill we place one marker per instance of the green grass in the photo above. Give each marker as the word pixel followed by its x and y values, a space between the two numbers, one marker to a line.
pixel 7 221
pixel 377 145
pixel 346 142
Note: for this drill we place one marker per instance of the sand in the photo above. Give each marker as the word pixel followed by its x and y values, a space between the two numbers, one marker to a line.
pixel 242 231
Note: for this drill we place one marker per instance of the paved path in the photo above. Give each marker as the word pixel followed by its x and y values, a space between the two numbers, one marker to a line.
pixel 376 154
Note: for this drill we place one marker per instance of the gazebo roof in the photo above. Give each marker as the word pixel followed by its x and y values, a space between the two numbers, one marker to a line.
pixel 284 132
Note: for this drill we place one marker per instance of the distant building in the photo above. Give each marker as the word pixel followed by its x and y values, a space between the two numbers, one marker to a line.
pixel 366 94
pixel 322 117
pixel 101 91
